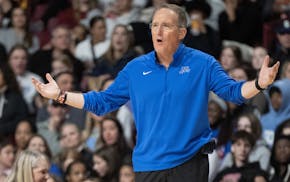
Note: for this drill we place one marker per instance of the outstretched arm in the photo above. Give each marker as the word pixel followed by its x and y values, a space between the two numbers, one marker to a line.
pixel 266 77
pixel 51 90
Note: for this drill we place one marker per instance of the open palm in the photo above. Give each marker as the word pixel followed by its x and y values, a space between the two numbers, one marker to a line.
pixel 49 90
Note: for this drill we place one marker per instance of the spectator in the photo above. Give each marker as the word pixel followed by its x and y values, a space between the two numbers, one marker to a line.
pixel 23 132
pixel 7 157
pixel 231 57
pixel 285 70
pixel 260 151
pixel 199 31
pixel 18 59
pixel 119 53
pixel 61 64
pixel 6 7
pixel 49 128
pixel 76 172
pixel 40 62
pixel 30 167
pixel 126 173
pixel 39 144
pixel 278 96
pixel 12 105
pixel 242 143
pixel 259 53
pixel 18 33
pixel 280 159
pixel 106 164
pixel 90 50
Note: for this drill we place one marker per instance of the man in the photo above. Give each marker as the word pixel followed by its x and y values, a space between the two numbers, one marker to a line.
pixel 169 90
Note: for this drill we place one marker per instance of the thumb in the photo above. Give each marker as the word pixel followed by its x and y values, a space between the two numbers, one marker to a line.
pixel 49 78
pixel 266 61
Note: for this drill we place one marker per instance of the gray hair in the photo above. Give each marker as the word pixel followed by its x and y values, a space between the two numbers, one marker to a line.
pixel 182 18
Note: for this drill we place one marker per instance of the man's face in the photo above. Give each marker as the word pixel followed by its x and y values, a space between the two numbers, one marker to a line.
pixel 166 34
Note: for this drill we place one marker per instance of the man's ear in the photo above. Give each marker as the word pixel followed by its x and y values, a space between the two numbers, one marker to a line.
pixel 182 33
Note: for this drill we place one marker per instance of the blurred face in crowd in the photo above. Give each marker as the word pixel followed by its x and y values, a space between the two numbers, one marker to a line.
pixel 276 100
pixel 238 74
pixel 284 40
pixel 214 112
pixel 244 124
pixel 23 133
pixel 120 39
pixel 36 144
pixel 18 61
pixel 166 33
pixel 282 151
pixel 241 149
pixel 7 156
pixel 18 18
pixel 40 171
pixel 286 71
pixel 77 172
pixel 61 39
pixel 228 59
pixel 259 53
pixel 100 165
pixel 58 66
pixel 65 81
pixel 127 174
pixel 57 113
pixel 70 136
pixel 123 5
pixel 98 31
pixel 110 132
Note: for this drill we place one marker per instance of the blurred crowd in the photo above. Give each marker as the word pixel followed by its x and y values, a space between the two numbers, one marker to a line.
pixel 85 43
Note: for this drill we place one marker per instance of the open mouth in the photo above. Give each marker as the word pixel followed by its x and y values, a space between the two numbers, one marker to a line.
pixel 159 40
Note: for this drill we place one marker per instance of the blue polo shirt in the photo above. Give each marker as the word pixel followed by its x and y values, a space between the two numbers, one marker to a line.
pixel 169 105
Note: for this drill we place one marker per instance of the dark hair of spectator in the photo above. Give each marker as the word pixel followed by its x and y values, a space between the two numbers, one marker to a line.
pixel 96 19
pixel 9 77
pixel 18 47
pixel 47 149
pixel 243 135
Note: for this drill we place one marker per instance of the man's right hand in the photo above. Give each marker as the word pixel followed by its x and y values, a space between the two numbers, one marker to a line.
pixel 49 90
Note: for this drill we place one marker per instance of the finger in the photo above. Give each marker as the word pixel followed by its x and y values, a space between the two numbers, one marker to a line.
pixel 266 61
pixel 276 66
pixel 49 78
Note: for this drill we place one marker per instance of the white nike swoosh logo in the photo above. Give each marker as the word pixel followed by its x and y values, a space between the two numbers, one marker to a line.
pixel 146 72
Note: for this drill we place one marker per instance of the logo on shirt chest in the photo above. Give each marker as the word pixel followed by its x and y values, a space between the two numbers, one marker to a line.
pixel 184 69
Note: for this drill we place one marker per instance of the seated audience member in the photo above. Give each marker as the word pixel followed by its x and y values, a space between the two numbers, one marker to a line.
pixel 39 144
pixel 7 156
pixel 71 139
pixel 30 167
pixel 126 173
pixel 106 164
pixel 260 152
pixel 280 159
pixel 112 135
pixel 259 53
pixel 91 49
pixel 242 143
pixel 49 128
pixel 231 57
pixel 23 132
pixel 40 62
pixel 285 70
pixel 118 54
pixel 18 59
pixel 61 64
pixel 19 32
pixel 279 97
pixel 199 31
pixel 65 80
pixel 76 172
pixel 12 105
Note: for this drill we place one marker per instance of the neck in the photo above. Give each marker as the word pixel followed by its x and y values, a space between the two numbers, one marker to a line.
pixel 165 60
pixel 239 163
pixel 118 54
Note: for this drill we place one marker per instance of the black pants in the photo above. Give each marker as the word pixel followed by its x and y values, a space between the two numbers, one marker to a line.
pixel 194 170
